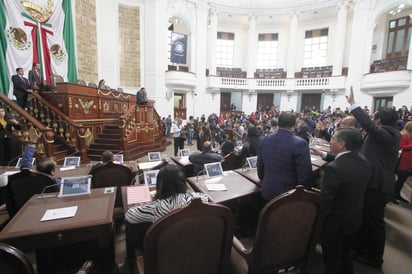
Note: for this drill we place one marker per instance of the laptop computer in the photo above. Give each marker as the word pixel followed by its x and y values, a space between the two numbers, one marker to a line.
pixel 213 170
pixel 118 158
pixel 18 164
pixel 154 156
pixel 77 185
pixel 150 176
pixel 71 161
pixel 252 161
pixel 184 152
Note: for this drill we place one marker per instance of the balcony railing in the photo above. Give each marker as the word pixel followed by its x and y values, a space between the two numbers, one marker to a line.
pixel 335 82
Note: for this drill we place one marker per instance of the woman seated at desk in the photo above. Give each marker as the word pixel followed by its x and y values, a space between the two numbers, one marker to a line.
pixel 170 195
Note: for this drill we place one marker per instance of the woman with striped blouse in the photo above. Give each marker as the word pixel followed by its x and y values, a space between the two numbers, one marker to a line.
pixel 170 195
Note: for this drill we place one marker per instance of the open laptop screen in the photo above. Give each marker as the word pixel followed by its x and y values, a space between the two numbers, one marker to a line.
pixel 154 156
pixel 150 176
pixel 71 161
pixel 118 158
pixel 184 152
pixel 213 170
pixel 78 185
pixel 18 165
pixel 252 161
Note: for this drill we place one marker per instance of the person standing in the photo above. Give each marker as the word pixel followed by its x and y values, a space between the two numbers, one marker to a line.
pixel 343 188
pixel 6 137
pixel 405 161
pixel 168 125
pixel 190 131
pixel 36 79
pixel 178 140
pixel 21 88
pixel 283 160
pixel 141 97
pixel 380 148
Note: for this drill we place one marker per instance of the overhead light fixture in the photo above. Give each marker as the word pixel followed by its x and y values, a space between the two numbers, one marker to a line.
pixel 398 9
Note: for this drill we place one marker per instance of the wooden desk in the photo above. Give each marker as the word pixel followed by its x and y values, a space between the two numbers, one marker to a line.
pixel 322 145
pixel 237 187
pixel 87 235
pixel 78 171
pixel 250 174
pixel 185 165
pixel 317 161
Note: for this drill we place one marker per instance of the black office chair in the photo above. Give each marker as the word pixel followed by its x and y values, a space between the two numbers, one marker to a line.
pixel 23 185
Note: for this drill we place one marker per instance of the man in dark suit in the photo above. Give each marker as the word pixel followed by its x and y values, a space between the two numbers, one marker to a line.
pixel 36 79
pixel 380 148
pixel 21 87
pixel 283 160
pixel 141 97
pixel 344 184
pixel 205 157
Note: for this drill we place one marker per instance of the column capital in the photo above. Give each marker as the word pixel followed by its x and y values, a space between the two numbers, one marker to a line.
pixel 343 5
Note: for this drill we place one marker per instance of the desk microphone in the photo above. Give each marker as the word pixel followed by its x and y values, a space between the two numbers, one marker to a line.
pixel 15 158
pixel 245 166
pixel 42 194
pixel 202 171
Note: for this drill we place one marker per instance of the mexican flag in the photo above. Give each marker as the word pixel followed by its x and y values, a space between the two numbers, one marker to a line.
pixel 39 31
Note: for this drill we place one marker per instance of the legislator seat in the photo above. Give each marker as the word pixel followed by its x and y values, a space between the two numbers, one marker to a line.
pixel 112 174
pixel 286 236
pixel 195 239
pixel 231 161
pixel 14 261
pixel 55 78
pixel 23 185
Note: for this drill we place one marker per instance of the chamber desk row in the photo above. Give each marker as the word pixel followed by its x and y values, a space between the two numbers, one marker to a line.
pixel 65 243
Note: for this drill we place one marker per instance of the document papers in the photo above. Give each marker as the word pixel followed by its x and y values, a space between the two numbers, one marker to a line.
pixel 138 194
pixel 216 187
pixel 59 213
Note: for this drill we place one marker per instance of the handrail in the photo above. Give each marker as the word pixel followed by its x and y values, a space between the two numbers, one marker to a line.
pixel 45 144
pixel 64 128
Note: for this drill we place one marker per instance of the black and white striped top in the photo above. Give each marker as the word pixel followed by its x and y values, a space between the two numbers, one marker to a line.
pixel 153 211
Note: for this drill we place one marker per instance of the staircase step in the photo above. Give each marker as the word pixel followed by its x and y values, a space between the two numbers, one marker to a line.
pixel 111 131
pixel 105 146
pixel 107 141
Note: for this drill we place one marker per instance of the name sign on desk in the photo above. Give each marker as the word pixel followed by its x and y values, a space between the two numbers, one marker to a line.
pixel 59 213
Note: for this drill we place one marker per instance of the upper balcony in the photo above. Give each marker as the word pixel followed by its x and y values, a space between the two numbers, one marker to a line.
pixel 389 82
pixel 334 82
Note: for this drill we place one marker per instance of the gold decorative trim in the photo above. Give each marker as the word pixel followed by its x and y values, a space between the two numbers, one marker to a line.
pixel 110 93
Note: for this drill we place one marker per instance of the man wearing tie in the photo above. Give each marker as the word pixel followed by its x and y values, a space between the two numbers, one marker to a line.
pixel 21 87
pixel 36 79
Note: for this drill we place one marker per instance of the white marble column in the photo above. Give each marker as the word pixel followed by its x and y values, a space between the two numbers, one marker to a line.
pixel 340 39
pixel 368 48
pixel 252 47
pixel 212 26
pixel 409 64
pixel 290 67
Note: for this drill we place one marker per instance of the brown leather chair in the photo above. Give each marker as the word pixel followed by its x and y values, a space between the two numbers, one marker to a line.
pixel 14 261
pixel 195 239
pixel 23 185
pixel 287 232
pixel 112 174
pixel 231 162
pixel 55 78
pixel 81 82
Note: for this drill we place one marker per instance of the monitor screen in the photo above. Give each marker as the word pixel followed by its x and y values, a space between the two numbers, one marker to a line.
pixel 213 170
pixel 184 152
pixel 118 158
pixel 150 176
pixel 79 185
pixel 71 161
pixel 154 156
pixel 18 165
pixel 252 161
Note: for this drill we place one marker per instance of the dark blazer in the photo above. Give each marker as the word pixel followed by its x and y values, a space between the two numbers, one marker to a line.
pixel 6 132
pixel 20 86
pixel 34 78
pixel 380 148
pixel 283 162
pixel 343 187
pixel 140 98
